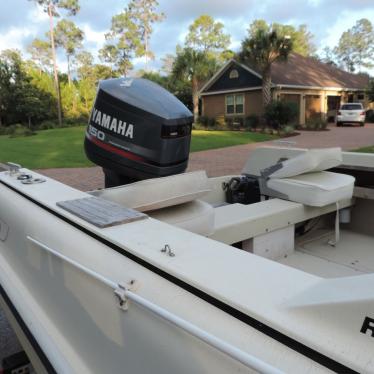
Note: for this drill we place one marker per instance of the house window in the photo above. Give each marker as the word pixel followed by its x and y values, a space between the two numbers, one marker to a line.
pixel 235 104
pixel 234 74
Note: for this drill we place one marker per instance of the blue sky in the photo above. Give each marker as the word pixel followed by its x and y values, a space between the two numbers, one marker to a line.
pixel 22 20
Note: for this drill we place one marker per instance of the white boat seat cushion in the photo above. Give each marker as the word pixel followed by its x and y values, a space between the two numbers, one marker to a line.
pixel 310 161
pixel 157 193
pixel 314 189
pixel 195 216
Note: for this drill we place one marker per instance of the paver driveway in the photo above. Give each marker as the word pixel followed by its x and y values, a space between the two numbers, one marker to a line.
pixel 231 160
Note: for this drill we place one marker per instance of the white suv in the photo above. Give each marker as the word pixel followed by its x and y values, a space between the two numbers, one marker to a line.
pixel 351 113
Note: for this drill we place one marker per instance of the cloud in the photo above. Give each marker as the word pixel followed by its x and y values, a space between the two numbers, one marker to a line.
pixel 14 14
pixel 98 13
pixel 189 10
pixel 346 20
pixel 94 40
pixel 15 38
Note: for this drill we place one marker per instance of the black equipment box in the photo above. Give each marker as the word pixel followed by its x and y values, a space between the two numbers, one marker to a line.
pixel 243 190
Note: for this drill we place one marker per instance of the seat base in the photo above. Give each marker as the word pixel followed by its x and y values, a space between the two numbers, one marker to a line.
pixel 196 216
pixel 237 222
pixel 314 189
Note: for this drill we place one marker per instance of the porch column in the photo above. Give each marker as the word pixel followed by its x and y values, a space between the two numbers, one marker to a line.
pixel 302 109
pixel 323 105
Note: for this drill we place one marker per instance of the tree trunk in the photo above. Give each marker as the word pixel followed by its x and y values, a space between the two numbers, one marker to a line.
pixel 29 118
pixel 69 78
pixel 195 99
pixel 85 102
pixel 125 72
pixel 57 86
pixel 266 88
pixel 146 49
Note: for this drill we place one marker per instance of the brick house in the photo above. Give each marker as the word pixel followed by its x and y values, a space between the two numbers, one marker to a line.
pixel 316 88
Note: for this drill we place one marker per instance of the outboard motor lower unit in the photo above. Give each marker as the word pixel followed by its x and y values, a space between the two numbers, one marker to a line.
pixel 137 130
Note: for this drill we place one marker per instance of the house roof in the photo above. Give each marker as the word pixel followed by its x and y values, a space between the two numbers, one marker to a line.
pixel 298 71
pixel 307 71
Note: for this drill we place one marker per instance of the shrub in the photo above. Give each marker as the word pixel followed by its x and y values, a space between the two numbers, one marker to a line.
pixel 18 130
pixel 198 126
pixel 211 123
pixel 46 125
pixel 238 123
pixel 251 122
pixel 203 120
pixel 68 122
pixel 288 130
pixel 220 123
pixel 279 114
pixel 6 130
pixel 370 116
pixel 229 121
pixel 323 124
pixel 316 123
pixel 234 123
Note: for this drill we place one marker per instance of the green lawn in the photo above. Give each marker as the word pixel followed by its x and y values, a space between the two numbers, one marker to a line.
pixel 202 140
pixel 59 148
pixel 369 149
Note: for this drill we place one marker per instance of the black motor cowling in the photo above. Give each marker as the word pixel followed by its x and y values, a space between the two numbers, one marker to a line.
pixel 137 130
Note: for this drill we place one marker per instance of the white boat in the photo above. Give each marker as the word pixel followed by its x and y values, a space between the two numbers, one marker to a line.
pixel 91 286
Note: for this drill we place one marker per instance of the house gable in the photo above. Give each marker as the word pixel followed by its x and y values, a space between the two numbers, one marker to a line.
pixel 233 77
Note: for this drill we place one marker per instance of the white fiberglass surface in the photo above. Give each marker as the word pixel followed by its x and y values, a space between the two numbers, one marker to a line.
pixel 353 255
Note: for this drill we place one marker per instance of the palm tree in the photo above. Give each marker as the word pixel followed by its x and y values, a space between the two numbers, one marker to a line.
pixel 262 49
pixel 196 67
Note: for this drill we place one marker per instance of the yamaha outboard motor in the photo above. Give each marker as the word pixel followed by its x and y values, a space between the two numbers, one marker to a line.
pixel 137 130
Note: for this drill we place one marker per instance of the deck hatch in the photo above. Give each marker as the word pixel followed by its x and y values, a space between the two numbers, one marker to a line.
pixel 101 213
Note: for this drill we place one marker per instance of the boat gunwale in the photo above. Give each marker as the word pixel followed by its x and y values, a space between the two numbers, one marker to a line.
pixel 269 331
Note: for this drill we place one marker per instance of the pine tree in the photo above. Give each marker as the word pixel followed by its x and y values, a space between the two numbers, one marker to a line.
pixel 51 7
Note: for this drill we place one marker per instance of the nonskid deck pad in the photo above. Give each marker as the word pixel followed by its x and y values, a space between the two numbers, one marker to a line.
pixel 101 213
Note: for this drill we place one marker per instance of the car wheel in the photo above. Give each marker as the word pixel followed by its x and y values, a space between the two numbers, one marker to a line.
pixel 362 124
pixel 338 124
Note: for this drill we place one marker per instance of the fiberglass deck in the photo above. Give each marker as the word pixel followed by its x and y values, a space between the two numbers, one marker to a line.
pixel 353 255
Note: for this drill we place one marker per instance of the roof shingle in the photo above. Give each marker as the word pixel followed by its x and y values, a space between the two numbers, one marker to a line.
pixel 307 71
